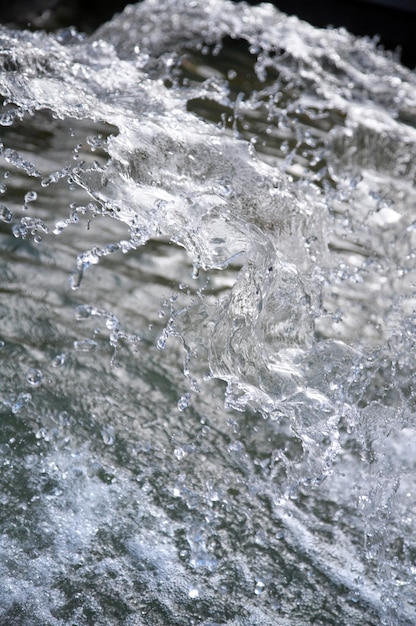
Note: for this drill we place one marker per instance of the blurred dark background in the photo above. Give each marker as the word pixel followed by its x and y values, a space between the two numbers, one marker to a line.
pixel 393 20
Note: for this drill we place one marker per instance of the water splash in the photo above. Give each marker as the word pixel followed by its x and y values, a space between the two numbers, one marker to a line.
pixel 252 178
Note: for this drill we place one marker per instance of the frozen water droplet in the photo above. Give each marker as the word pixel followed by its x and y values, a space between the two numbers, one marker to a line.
pixel 34 377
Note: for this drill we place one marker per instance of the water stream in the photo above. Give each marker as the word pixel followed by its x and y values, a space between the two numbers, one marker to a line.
pixel 207 323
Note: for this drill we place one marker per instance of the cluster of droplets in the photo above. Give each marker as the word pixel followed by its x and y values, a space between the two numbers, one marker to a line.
pixel 86 312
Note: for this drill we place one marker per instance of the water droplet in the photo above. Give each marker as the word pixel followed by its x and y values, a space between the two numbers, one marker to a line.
pixel 31 196
pixel 259 588
pixel 193 592
pixel 58 360
pixel 85 345
pixel 19 230
pixel 14 158
pixel 3 188
pixel 83 312
pixel 22 399
pixel 195 271
pixel 108 435
pixel 179 453
pixel 64 418
pixel 34 377
pixel 60 225
pixel 5 214
pixel 236 446
pixel 42 433
pixel 161 342
pixel 183 401
pixel 112 323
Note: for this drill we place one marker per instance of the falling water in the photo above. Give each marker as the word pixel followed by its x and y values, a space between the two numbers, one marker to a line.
pixel 208 316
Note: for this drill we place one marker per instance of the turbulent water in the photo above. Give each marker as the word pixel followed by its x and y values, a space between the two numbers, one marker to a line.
pixel 208 323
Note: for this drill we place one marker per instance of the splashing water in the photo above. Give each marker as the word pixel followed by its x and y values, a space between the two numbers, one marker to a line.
pixel 212 420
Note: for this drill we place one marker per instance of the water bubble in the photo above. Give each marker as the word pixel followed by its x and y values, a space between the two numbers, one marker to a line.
pixel 34 377
pixel 5 214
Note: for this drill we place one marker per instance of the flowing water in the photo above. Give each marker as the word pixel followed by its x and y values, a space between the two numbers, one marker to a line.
pixel 208 323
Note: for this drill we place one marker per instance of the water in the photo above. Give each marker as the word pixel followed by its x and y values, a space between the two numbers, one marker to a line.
pixel 207 323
